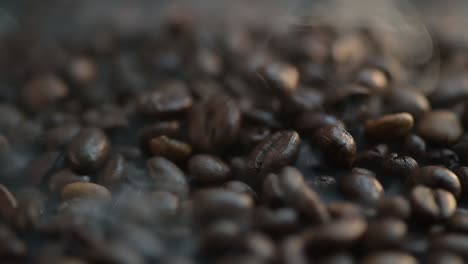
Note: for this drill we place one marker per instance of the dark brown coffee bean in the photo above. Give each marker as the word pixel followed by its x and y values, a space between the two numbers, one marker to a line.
pixel 273 153
pixel 450 91
pixel 338 234
pixel 373 78
pixel 406 100
pixel 59 137
pixel 414 145
pixel 168 128
pixel 336 258
pixel 280 78
pixel 277 222
pixel 451 242
pixel 337 144
pixel 443 157
pixel 311 121
pixel 362 185
pixel 85 190
pixel 444 257
pixel 339 210
pixel 322 183
pixel 42 166
pixel 348 49
pixel 171 98
pixel 302 100
pixel 214 124
pixel 390 126
pixel 436 177
pixel 61 178
pixel 387 257
pixel 215 204
pixel 395 206
pixel 240 187
pixel 440 127
pixel 89 150
pixel 11 247
pixel 458 222
pixel 259 246
pixel 219 236
pixel 82 70
pixel 373 158
pixel 113 171
pixel 399 166
pixel 292 250
pixel 8 203
pixel 42 91
pixel 167 177
pixel 169 148
pixel 461 148
pixel 432 205
pixel 31 207
pixel 462 173
pixel 165 203
pixel 384 233
pixel 249 137
pixel 208 169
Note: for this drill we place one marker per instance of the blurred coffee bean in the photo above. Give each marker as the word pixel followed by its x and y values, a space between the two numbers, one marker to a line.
pixel 458 222
pixel 63 177
pixel 414 145
pixel 166 176
pixel 323 183
pixel 11 246
pixel 280 78
pixel 443 157
pixel 250 136
pixel 337 144
pixel 214 124
pixel 82 70
pixel 362 185
pixel 113 171
pixel 208 169
pixel 85 190
pixel 89 150
pixel 390 126
pixel 8 203
pixel 372 78
pixel 373 158
pixel 440 127
pixel 451 90
pixel 42 91
pixel 240 187
pixel 451 242
pixel 384 257
pixel 408 100
pixel 444 257
pixel 339 210
pixel 59 137
pixel 399 166
pixel 384 233
pixel 169 98
pixel 42 166
pixel 432 205
pixel 169 148
pixel 292 250
pixel 309 122
pixel 30 210
pixel 336 258
pixel 277 222
pixel 165 203
pixel 395 206
pixel 168 128
pixel 436 177
pixel 302 100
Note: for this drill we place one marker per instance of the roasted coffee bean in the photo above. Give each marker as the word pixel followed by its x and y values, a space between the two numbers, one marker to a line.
pixel 280 78
pixel 8 203
pixel 165 202
pixel 362 185
pixel 240 187
pixel 214 124
pixel 406 100
pixel 384 233
pixel 373 78
pixel 444 257
pixel 277 222
pixel 208 169
pixel 113 171
pixel 171 149
pixel 11 246
pixel 458 222
pixel 451 242
pixel 440 127
pixel 171 98
pixel 385 257
pixel 462 173
pixel 214 204
pixel 302 100
pixel 168 128
pixel 395 206
pixel 42 166
pixel 443 157
pixel 450 91
pixel 63 177
pixel 390 126
pixel 311 121
pixel 249 137
pixel 461 148
pixel 373 158
pixel 336 258
pixel 273 153
pixel 42 91
pixel 167 176
pixel 414 145
pixel 432 205
pixel 292 250
pixel 338 234
pixel 337 144
pixel 89 150
pixel 85 190
pixel 31 207
pixel 436 177
pixel 219 237
pixel 399 166
pixel 59 137
pixel 258 245
pixel 323 183
pixel 339 210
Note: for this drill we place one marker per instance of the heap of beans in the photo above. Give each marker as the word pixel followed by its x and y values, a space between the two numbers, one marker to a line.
pixel 186 145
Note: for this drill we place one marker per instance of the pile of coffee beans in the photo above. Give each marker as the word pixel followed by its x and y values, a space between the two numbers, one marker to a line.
pixel 194 145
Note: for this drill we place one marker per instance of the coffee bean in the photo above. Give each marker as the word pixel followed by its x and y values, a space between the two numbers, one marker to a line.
pixel 168 128
pixel 214 124
pixel 240 187
pixel 406 100
pixel 85 190
pixel 167 176
pixel 273 153
pixel 280 78
pixel 113 171
pixel 302 100
pixel 250 136
pixel 42 166
pixel 395 206
pixel 451 242
pixel 89 150
pixel 277 222
pixel 171 98
pixel 373 78
pixel 444 257
pixel 399 166
pixel 385 257
pixel 292 250
pixel 336 258
pixel 436 177
pixel 339 210
pixel 169 148
pixel 323 183
pixel 31 207
pixel 338 234
pixel 384 233
pixel 414 145
pixel 432 205
pixel 8 203
pixel 42 91
pixel 311 121
pixel 219 237
pixel 60 136
pixel 450 91
pixel 337 144
pixel 458 222
pixel 461 148
pixel 390 126
pixel 63 177
pixel 373 158
pixel 443 157
pixel 165 202
pixel 11 247
pixel 208 169
pixel 440 127
pixel 362 185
